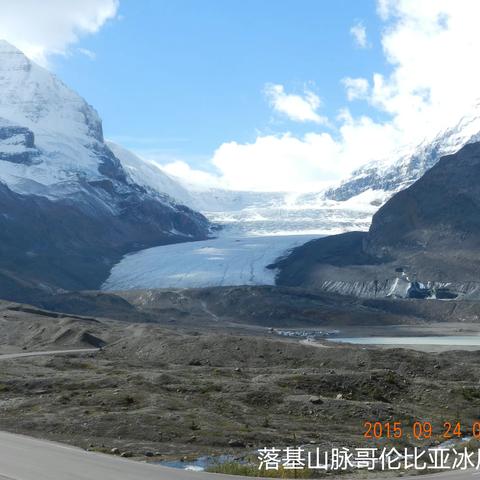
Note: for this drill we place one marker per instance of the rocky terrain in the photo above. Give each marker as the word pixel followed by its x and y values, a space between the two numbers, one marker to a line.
pixel 258 307
pixel 154 392
pixel 422 243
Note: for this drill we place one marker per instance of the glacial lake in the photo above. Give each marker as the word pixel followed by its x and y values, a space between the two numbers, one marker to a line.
pixel 446 340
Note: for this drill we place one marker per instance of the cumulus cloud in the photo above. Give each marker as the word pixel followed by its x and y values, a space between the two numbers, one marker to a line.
pixel 289 163
pixel 359 34
pixel 432 46
pixel 271 162
pixel 299 108
pixel 43 28
pixel 307 163
pixel 191 176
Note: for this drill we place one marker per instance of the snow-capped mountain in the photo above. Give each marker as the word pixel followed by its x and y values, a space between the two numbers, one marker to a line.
pixel 49 134
pixel 68 209
pixel 395 174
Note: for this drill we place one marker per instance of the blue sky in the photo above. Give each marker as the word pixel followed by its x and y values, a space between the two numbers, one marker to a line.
pixel 261 94
pixel 183 76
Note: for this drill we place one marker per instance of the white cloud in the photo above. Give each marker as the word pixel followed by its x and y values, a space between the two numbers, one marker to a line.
pixel 289 163
pixel 308 163
pixel 296 107
pixel 88 53
pixel 191 176
pixel 271 162
pixel 432 45
pixel 357 88
pixel 359 34
pixel 46 27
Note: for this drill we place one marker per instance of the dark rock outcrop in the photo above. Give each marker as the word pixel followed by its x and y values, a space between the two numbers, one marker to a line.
pixel 19 143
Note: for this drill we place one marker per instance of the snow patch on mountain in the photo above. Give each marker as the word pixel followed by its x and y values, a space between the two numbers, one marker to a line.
pixel 150 175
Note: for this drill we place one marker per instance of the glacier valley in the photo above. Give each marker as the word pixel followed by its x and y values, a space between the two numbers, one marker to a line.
pixel 247 242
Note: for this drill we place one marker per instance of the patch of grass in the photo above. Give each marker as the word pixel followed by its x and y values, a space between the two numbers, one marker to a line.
pixel 471 393
pixel 210 388
pixel 262 398
pixel 85 366
pixel 194 425
pixel 391 378
pixel 234 468
pixel 129 400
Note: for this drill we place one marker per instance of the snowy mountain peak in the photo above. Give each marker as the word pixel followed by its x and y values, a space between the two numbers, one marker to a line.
pixel 48 133
pixel 34 97
pixel 394 174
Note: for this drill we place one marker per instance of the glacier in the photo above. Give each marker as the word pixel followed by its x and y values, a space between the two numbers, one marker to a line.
pixel 223 261
pixel 275 222
pixel 250 239
pixel 255 229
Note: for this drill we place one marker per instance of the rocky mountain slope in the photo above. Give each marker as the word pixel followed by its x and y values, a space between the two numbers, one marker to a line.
pixel 423 242
pixel 68 209
pixel 157 389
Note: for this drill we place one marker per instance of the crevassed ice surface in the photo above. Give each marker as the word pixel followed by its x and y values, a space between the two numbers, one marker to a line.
pixel 251 239
pixel 221 261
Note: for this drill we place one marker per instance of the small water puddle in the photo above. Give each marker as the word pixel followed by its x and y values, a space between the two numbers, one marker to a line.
pixel 199 464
